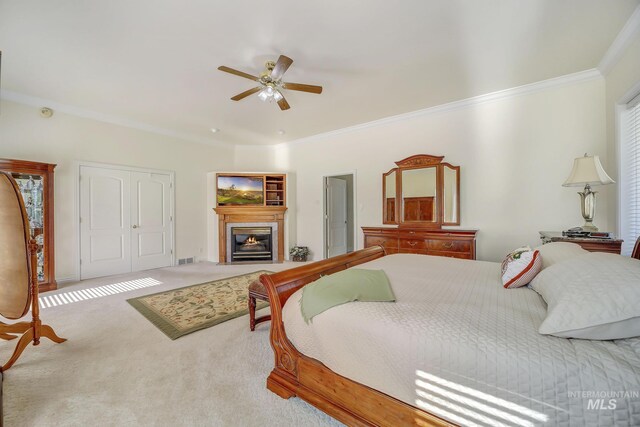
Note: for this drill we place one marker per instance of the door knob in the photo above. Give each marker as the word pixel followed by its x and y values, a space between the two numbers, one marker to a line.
pixel 135 226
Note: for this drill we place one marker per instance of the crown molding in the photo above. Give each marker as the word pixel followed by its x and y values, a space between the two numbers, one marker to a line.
pixel 565 80
pixel 621 43
pixel 35 101
pixel 568 79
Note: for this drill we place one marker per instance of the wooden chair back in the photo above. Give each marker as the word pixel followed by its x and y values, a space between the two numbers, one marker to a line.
pixel 15 260
pixel 636 250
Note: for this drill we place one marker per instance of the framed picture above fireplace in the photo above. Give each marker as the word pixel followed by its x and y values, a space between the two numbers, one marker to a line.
pixel 250 190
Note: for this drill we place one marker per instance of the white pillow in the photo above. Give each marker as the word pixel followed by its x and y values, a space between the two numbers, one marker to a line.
pixel 520 267
pixel 593 296
pixel 555 252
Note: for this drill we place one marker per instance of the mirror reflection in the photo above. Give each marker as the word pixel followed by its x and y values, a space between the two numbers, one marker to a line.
pixel 390 198
pixel 419 195
pixel 450 195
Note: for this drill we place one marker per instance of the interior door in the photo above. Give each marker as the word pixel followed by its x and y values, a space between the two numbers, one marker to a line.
pixel 105 227
pixel 336 217
pixel 150 221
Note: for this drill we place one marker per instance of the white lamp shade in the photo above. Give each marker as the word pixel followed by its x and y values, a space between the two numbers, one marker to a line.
pixel 587 170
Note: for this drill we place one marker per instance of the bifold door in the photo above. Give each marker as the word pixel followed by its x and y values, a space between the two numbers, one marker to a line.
pixel 125 221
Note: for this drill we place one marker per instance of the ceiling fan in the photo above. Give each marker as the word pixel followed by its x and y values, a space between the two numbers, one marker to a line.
pixel 271 84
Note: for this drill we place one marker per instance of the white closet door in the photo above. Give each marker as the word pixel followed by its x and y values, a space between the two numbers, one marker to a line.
pixel 336 217
pixel 105 228
pixel 150 221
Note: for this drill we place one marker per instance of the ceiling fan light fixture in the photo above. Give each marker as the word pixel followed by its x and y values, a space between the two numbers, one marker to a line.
pixel 263 95
pixel 270 93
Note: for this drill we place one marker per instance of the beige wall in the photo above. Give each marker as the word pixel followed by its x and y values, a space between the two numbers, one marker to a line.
pixel 621 82
pixel 65 139
pixel 514 154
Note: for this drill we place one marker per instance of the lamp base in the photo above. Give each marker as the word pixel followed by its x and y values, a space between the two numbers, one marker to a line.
pixel 588 226
pixel 588 207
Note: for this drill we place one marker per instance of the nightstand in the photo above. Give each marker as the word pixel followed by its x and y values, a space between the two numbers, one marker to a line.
pixel 590 244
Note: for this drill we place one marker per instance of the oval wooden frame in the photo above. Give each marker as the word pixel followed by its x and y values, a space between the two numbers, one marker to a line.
pixel 27 259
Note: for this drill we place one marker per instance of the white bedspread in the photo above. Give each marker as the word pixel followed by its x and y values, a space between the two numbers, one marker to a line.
pixel 459 345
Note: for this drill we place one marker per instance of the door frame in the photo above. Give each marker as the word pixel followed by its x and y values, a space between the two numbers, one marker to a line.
pixel 325 228
pixel 77 165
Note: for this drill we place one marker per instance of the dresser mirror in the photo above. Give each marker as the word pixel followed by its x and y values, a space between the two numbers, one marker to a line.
pixel 419 195
pixel 421 192
pixel 450 195
pixel 389 197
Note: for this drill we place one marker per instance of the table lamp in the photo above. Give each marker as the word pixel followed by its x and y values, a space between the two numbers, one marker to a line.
pixel 588 171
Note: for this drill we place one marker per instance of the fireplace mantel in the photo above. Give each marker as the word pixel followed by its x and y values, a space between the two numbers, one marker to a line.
pixel 249 214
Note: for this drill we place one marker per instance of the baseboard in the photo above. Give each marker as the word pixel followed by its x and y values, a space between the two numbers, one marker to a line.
pixel 63 280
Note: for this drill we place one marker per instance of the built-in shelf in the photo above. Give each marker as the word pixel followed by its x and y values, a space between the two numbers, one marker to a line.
pixel 275 190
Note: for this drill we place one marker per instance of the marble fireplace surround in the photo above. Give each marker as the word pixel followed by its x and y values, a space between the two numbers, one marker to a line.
pixel 245 216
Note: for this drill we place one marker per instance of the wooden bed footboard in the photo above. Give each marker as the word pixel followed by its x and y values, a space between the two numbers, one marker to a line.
pixel 295 374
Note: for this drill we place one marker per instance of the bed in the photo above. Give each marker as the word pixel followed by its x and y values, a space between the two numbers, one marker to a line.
pixel 455 348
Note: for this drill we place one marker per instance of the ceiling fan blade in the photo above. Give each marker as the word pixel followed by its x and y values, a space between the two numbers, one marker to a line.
pixel 238 73
pixel 303 88
pixel 283 64
pixel 246 93
pixel 284 105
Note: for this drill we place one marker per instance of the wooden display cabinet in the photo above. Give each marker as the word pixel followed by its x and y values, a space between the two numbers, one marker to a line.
pixel 36 186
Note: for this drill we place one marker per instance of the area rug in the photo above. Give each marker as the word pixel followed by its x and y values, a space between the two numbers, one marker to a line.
pixel 185 310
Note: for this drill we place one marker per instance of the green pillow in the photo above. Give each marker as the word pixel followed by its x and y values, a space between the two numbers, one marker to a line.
pixel 345 286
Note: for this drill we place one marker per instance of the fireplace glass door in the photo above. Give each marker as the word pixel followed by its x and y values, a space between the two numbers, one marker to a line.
pixel 251 244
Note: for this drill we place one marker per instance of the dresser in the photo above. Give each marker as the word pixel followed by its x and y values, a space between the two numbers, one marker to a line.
pixel 420 196
pixel 406 240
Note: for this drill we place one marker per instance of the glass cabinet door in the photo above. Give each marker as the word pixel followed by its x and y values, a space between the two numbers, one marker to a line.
pixel 32 188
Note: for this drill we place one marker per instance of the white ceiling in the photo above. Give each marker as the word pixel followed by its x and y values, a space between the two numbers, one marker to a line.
pixel 154 61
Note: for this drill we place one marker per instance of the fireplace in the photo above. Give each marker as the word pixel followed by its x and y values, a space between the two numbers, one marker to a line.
pixel 251 244
pixel 269 217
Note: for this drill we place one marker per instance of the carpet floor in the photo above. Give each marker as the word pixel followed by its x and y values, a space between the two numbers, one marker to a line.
pixel 118 369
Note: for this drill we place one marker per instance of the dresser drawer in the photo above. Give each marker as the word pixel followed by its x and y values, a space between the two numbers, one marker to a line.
pixel 449 245
pixel 415 244
pixel 461 255
pixel 427 241
pixel 414 251
pixel 385 242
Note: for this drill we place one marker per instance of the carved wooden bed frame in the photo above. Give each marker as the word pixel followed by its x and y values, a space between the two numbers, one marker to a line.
pixel 295 374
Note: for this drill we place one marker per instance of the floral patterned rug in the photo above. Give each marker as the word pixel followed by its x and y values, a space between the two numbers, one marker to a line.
pixel 185 310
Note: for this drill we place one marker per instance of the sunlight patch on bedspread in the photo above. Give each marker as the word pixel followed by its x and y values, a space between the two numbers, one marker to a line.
pixel 458 403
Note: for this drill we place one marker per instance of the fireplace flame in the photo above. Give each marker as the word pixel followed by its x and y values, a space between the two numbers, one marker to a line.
pixel 251 241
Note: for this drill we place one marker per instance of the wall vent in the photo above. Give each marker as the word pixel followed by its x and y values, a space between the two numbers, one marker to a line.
pixel 183 261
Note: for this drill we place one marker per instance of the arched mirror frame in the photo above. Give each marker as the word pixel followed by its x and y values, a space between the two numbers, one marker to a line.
pixel 420 161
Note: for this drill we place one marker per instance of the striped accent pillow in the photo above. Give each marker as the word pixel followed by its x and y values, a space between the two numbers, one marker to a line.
pixel 520 267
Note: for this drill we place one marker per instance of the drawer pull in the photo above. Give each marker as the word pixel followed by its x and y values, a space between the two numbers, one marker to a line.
pixel 411 243
pixel 448 245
